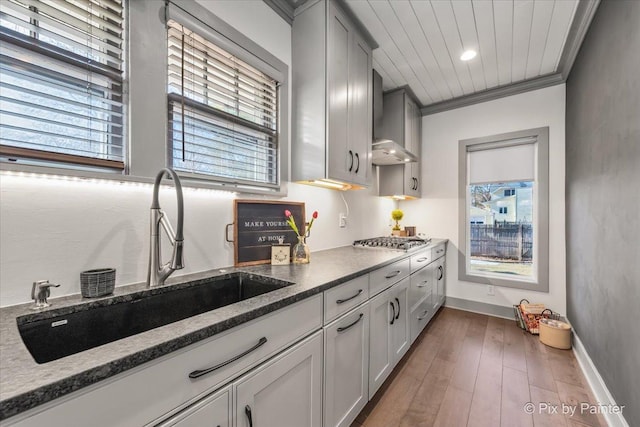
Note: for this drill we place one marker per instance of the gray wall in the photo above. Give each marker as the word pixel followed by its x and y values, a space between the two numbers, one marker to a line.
pixel 603 199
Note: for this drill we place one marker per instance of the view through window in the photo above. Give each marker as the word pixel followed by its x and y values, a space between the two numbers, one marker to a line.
pixel 501 228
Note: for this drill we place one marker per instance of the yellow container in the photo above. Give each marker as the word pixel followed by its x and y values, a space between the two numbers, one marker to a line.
pixel 555 333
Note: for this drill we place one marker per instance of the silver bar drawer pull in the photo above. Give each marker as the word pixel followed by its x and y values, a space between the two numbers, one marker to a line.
pixel 392 274
pixel 422 284
pixel 423 259
pixel 423 315
pixel 342 329
pixel 201 372
pixel 342 301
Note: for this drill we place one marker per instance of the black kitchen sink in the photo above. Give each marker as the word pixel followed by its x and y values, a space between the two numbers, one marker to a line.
pixel 67 334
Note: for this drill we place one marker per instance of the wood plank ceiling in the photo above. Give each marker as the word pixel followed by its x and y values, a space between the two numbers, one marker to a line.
pixel 420 42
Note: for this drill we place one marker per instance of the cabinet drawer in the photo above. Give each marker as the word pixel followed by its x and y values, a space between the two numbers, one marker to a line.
pixel 343 298
pixel 438 251
pixel 421 286
pixel 420 260
pixel 419 317
pixel 162 387
pixel 381 279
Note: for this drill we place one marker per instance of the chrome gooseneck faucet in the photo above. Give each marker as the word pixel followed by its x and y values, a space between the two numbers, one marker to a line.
pixel 159 273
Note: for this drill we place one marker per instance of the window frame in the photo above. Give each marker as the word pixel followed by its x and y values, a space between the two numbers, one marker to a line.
pixel 218 32
pixel 540 281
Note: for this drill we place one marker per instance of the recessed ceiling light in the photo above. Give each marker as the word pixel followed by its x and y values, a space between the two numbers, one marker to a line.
pixel 468 54
pixel 407 159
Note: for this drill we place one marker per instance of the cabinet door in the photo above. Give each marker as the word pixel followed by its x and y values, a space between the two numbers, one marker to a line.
pixel 400 337
pixel 285 392
pixel 346 367
pixel 212 411
pixel 360 108
pixel 339 39
pixel 409 120
pixel 380 327
pixel 440 280
pixel 412 179
pixel 412 185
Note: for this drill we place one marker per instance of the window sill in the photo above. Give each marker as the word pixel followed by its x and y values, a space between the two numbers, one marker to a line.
pixel 497 280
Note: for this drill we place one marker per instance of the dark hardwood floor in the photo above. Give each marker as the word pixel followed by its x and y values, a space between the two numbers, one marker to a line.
pixel 468 369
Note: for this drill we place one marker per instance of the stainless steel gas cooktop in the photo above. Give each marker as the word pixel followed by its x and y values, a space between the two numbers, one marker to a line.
pixel 393 242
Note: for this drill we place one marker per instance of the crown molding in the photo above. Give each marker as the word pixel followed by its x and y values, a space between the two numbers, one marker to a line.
pixel 495 93
pixel 585 12
pixel 283 8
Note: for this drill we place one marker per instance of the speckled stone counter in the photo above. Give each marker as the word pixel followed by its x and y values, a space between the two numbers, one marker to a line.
pixel 24 384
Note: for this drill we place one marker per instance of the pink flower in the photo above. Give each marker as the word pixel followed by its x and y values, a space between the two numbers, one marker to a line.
pixel 315 215
pixel 287 213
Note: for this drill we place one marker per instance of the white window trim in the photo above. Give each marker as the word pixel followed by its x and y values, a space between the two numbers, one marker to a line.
pixel 540 282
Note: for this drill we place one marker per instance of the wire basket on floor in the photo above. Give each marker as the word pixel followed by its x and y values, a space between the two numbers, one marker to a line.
pixel 98 282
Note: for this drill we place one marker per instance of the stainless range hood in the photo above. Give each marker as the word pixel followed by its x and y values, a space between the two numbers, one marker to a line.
pixel 385 151
pixel 388 152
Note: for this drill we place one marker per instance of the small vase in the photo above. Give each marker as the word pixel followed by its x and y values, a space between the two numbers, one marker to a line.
pixel 301 251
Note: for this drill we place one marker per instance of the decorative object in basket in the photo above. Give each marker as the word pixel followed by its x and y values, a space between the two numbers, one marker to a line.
pixel 98 282
pixel 528 315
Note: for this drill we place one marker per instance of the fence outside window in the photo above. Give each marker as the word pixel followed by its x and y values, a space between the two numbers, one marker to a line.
pixel 503 241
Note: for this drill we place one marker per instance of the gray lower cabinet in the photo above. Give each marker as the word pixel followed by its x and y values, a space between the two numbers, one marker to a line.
pixel 346 361
pixel 389 337
pixel 286 380
pixel 285 392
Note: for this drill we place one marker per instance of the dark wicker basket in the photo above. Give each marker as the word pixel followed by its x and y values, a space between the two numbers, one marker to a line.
pixel 97 283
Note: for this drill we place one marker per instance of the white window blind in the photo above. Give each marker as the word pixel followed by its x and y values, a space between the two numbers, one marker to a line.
pixel 495 163
pixel 223 113
pixel 61 80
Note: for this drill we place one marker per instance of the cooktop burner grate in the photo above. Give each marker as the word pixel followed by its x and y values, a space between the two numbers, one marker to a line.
pixel 392 242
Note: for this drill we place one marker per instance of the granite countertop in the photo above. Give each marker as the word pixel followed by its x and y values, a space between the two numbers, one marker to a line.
pixel 25 384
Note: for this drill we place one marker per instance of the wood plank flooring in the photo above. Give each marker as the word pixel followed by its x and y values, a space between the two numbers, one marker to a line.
pixel 468 369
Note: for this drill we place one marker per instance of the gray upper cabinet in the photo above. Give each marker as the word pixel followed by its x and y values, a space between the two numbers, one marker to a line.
pixel 402 123
pixel 332 98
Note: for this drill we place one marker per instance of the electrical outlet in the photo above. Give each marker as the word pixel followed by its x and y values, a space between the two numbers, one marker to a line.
pixel 342 220
pixel 491 290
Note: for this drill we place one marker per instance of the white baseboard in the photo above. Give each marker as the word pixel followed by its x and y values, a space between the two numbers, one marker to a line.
pixel 597 384
pixel 480 307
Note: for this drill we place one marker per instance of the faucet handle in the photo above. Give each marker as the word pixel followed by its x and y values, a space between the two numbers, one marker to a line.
pixel 40 292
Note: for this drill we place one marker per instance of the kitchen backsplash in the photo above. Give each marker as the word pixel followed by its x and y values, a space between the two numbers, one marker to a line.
pixel 54 229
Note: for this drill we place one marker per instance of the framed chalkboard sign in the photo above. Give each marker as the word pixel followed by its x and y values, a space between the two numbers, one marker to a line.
pixel 258 224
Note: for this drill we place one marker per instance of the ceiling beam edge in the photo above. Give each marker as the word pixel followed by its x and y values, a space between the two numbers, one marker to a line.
pixel 496 93
pixel 585 11
pixel 282 8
